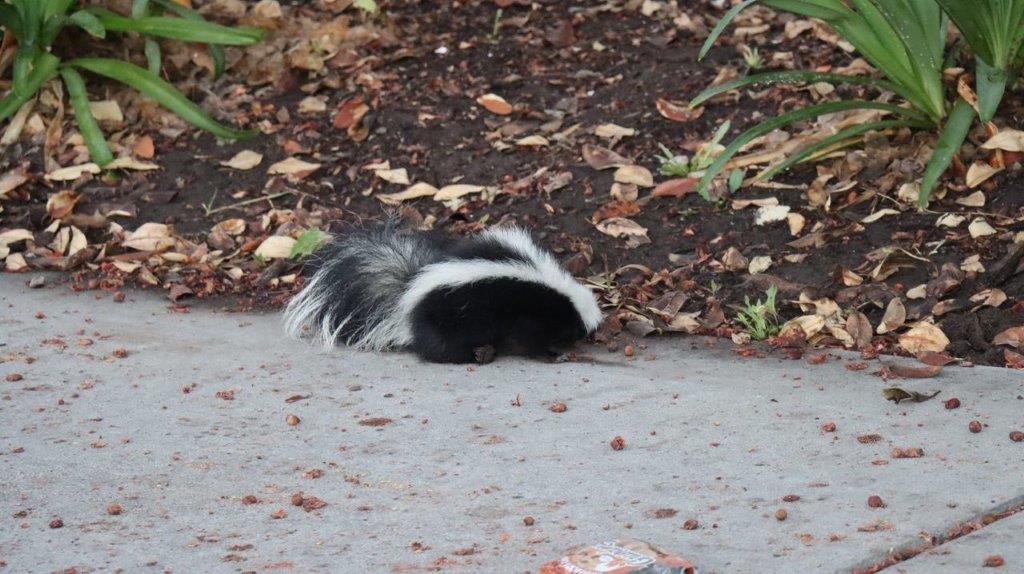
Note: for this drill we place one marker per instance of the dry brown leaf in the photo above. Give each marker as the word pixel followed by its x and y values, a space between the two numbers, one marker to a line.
pixel 107 111
pixel 13 179
pixel 417 190
pixel 1014 337
pixel 1014 360
pixel 677 111
pixel 350 113
pixel 980 228
pixel 950 220
pixel 533 141
pixel 924 337
pixel 73 172
pixel 879 215
pixel 733 260
pixel 131 163
pixel 456 191
pixel 625 192
pixel 1006 140
pixel 399 176
pixel 979 172
pixel 621 227
pixel 613 131
pixel 989 298
pixel 976 199
pixel 232 227
pixel 912 372
pixel 603 158
pixel 859 327
pixel 796 223
pixel 677 187
pixel 312 105
pixel 495 104
pixel 894 318
pixel 634 174
pixel 759 264
pixel 809 325
pixel 293 167
pixel 244 160
pixel 144 147
pixel 275 247
pixel 150 237
pixel 62 204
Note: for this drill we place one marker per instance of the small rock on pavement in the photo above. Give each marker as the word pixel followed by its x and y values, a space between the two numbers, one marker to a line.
pixel 994 561
pixel 37 282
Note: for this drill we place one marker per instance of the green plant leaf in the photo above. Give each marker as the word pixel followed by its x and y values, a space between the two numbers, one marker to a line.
pixel 366 5
pixel 45 68
pixel 140 8
pixel 87 125
pixel 308 242
pixel 56 8
pixel 958 123
pixel 728 17
pixel 789 118
pixel 11 21
pixel 22 69
pixel 153 56
pixel 216 51
pixel 827 142
pixel 179 29
pixel 991 83
pixel 788 77
pixel 88 22
pixel 735 180
pixel 164 93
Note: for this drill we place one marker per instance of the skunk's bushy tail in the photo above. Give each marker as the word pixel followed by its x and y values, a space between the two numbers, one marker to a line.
pixel 353 296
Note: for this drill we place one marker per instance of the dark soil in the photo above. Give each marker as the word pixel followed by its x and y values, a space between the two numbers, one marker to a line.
pixel 546 63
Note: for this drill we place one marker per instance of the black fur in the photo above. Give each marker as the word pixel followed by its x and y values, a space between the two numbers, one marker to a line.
pixel 512 316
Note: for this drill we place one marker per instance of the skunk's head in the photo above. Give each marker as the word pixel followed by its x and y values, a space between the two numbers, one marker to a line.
pixel 570 310
pixel 501 289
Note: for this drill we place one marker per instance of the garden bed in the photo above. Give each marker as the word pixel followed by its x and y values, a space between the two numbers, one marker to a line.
pixel 578 80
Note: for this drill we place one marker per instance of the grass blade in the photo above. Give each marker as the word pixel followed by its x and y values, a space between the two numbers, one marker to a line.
pixel 788 77
pixel 88 22
pixel 720 27
pixel 22 69
pixel 153 56
pixel 164 93
pixel 958 123
pixel 216 51
pixel 179 29
pixel 825 143
pixel 791 117
pixel 45 67
pixel 87 125
pixel 991 86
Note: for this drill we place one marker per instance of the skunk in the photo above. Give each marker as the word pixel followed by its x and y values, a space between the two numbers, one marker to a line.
pixel 449 301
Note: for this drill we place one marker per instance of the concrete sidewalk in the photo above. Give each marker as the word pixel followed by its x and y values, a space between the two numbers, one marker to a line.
pixel 426 467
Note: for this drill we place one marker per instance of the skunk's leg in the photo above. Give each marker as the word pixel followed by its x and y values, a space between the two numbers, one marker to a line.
pixel 437 345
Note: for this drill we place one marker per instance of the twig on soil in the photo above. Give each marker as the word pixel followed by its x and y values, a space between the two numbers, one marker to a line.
pixel 209 211
pixel 1007 266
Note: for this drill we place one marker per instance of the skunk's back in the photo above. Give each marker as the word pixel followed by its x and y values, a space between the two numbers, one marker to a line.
pixel 356 283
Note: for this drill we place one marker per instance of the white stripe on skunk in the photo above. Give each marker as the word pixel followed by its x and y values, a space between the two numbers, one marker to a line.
pixel 386 288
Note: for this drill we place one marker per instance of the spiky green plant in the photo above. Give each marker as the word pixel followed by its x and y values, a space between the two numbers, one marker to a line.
pixel 994 29
pixel 905 40
pixel 760 319
pixel 37 24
